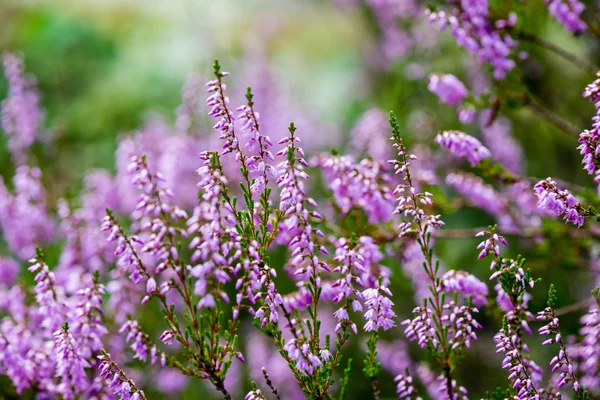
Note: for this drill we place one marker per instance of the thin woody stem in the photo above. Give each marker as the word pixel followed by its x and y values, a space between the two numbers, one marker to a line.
pixel 552 117
pixel 573 59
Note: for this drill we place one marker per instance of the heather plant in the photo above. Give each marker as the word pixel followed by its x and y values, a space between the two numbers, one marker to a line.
pixel 236 259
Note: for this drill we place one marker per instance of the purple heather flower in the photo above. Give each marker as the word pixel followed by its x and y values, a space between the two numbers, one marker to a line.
pixel 478 193
pixel 351 264
pixel 514 304
pixel 306 362
pixel 126 250
pixel 70 365
pixel 216 242
pixel 371 254
pixel 265 355
pixel 371 135
pixel 421 328
pixel 559 202
pixel 560 362
pixel 409 201
pixel 190 95
pixel 364 185
pixel 379 312
pixel 473 29
pixel 24 216
pixel 405 388
pixel 457 391
pixel 293 202
pixel 157 215
pixel 502 144
pixel 172 153
pixel 9 269
pixel 141 344
pixel 255 395
pixel 121 385
pixel 461 324
pixel 467 114
pixel 86 324
pixel 50 298
pixel 590 139
pixel 567 12
pixel 259 165
pixel 20 111
pixel 524 374
pixel 586 354
pixel 466 284
pixel 448 88
pixel 463 146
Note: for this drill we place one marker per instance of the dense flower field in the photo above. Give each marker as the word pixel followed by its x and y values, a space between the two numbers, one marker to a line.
pixel 250 261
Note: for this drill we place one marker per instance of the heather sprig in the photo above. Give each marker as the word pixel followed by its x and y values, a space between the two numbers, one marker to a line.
pixel 513 283
pixel 49 296
pixel 463 146
pixel 202 351
pixel 71 364
pixel 560 362
pixel 122 386
pixel 512 296
pixel 430 324
pixel 349 297
pixel 567 12
pixel 364 185
pixel 405 388
pixel 20 112
pixel 561 202
pixel 220 110
pixel 141 344
pixel 474 29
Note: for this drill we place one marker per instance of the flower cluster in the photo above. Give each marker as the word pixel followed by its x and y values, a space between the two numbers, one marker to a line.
pixel 293 202
pixel 481 195
pixel 559 202
pixel 141 344
pixel 560 362
pixel 20 112
pixel 371 135
pixel 379 314
pixel 24 216
pixel 472 27
pixel 520 375
pixel 586 354
pixel 121 385
pixel 405 388
pixel 590 139
pixel 465 284
pixel 448 88
pixel 463 146
pixel 409 202
pixel 351 264
pixel 568 12
pixel 363 185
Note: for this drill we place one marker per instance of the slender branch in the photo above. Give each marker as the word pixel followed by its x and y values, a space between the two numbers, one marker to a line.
pixel 593 26
pixel 574 307
pixel 538 41
pixel 270 384
pixel 553 118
